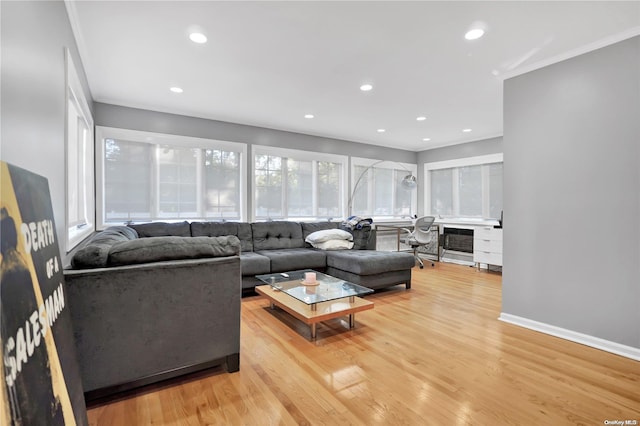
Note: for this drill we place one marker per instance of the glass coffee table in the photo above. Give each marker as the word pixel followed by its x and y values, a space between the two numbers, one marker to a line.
pixel 327 298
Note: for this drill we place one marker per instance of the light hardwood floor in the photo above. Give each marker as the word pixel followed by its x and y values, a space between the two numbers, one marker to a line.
pixel 432 355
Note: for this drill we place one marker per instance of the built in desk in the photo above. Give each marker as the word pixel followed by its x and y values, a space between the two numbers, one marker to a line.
pixel 401 229
pixel 486 238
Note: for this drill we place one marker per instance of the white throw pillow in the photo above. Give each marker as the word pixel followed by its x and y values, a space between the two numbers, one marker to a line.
pixel 328 234
pixel 334 245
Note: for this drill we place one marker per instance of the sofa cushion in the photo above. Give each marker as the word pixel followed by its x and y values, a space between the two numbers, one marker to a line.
pixel 369 262
pixel 242 230
pixel 292 259
pixel 311 227
pixel 95 252
pixel 162 229
pixel 327 235
pixel 333 245
pixel 276 235
pixel 254 264
pixel 157 249
pixel 361 236
pixel 114 233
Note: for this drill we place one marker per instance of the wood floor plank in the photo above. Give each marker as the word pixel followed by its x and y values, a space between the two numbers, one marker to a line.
pixel 435 354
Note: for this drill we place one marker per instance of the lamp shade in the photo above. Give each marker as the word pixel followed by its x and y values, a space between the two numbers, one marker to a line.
pixel 409 182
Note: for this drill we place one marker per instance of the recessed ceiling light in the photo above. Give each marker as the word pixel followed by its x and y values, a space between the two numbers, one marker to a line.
pixel 426 139
pixel 309 116
pixel 366 87
pixel 466 130
pixel 198 38
pixel 381 130
pixel 421 118
pixel 176 90
pixel 474 34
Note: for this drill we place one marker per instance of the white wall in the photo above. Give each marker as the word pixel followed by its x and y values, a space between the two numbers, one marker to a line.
pixel 572 195
pixel 32 83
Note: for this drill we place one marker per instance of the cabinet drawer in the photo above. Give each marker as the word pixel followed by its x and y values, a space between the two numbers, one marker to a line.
pixel 486 233
pixel 493 246
pixel 488 258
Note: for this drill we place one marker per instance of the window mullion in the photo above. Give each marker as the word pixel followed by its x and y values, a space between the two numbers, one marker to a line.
pixel 177 163
pixel 155 181
pixel 314 188
pixel 284 173
pixel 199 183
pixel 456 191
pixel 485 190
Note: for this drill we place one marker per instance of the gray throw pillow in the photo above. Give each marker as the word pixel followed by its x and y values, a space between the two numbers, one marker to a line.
pixel 158 249
pixel 163 229
pixel 95 252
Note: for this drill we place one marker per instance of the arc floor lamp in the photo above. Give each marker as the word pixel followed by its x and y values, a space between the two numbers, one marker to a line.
pixel 409 182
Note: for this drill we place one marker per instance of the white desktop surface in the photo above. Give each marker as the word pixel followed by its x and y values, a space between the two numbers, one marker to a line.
pixel 466 221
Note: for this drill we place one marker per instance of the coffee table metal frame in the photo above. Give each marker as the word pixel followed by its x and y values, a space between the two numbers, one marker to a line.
pixel 331 298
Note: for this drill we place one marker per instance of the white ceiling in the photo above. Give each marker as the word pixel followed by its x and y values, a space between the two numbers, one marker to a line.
pixel 269 63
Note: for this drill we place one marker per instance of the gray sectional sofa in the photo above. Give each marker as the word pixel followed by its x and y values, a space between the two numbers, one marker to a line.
pixel 272 247
pixel 148 309
pixel 279 246
pixel 157 300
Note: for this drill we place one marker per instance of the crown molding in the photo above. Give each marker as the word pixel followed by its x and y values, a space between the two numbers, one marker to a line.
pixel 607 41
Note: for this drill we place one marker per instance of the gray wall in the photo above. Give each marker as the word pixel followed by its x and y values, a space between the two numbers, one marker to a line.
pixel 463 150
pixel 572 194
pixel 470 149
pixel 32 136
pixel 152 121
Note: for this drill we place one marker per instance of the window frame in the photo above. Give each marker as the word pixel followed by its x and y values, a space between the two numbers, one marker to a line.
pixel 299 155
pixel 382 164
pixel 79 164
pixel 156 139
pixel 482 160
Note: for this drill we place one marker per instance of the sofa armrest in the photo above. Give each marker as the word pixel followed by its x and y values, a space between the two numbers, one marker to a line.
pixel 138 321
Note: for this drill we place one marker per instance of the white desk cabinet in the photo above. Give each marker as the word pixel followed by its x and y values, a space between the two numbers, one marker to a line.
pixel 487 245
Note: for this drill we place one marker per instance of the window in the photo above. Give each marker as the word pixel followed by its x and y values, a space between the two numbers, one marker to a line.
pixel 377 189
pixel 292 184
pixel 149 176
pixel 469 187
pixel 442 192
pixel 79 161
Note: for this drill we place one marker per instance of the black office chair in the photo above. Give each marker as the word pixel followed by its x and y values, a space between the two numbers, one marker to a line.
pixel 420 236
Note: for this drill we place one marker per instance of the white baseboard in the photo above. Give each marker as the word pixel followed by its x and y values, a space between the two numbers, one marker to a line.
pixel 456 261
pixel 563 333
pixel 457 257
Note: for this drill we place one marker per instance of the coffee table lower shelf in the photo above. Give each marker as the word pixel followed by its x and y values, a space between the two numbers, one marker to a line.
pixel 317 312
